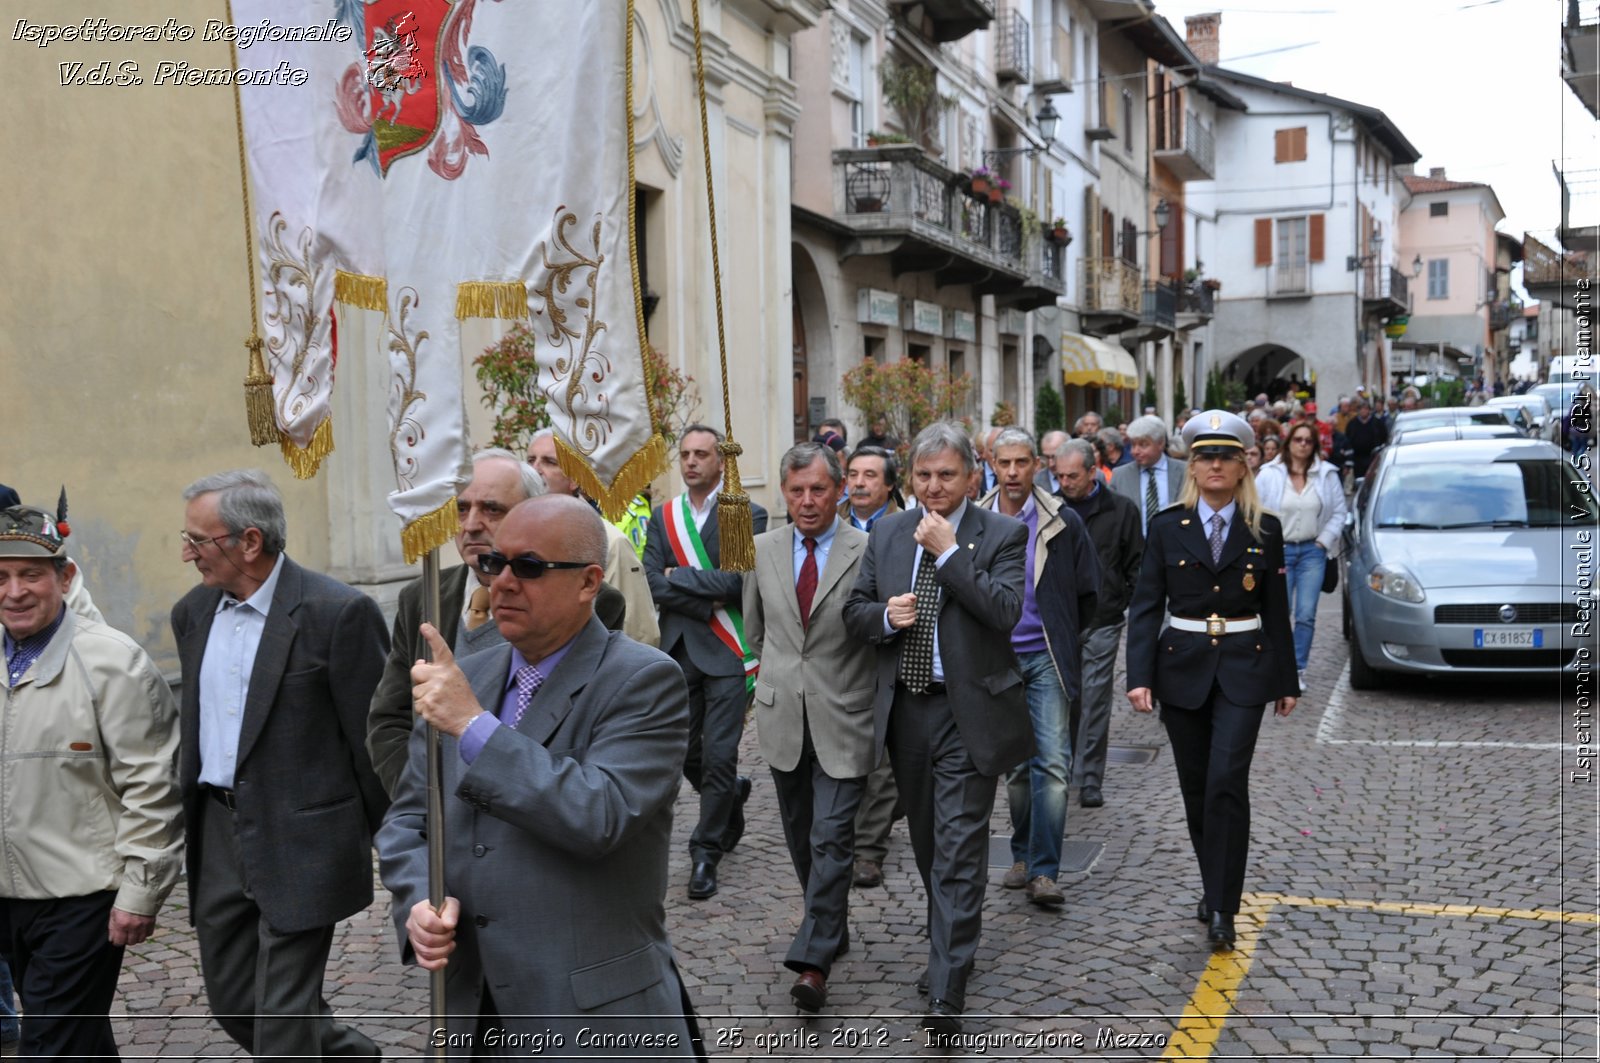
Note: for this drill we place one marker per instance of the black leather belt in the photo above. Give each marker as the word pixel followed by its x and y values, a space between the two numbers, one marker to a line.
pixel 222 797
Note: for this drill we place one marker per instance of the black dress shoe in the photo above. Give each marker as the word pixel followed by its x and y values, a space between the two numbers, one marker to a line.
pixel 943 1019
pixel 1201 912
pixel 1089 797
pixel 703 883
pixel 1220 933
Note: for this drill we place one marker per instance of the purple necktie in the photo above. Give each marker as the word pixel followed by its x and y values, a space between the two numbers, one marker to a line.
pixel 529 680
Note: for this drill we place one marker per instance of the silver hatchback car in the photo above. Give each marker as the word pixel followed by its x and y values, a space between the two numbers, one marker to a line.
pixel 1470 556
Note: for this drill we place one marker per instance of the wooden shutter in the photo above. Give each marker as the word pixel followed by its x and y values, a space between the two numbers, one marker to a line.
pixel 1289 145
pixel 1108 234
pixel 1263 241
pixel 1172 245
pixel 1280 146
pixel 1091 221
pixel 1314 240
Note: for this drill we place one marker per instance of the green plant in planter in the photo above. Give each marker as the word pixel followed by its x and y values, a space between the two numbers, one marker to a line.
pixel 912 90
pixel 1030 221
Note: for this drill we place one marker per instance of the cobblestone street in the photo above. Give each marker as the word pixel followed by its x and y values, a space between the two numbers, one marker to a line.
pixel 1421 884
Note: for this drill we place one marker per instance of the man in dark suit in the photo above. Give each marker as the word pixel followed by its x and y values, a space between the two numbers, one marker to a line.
pixel 813 702
pixel 499 481
pixel 561 753
pixel 280 800
pixel 1045 478
pixel 1152 480
pixel 701 630
pixel 939 591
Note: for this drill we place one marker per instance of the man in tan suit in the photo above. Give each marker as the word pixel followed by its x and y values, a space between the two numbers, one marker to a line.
pixel 813 701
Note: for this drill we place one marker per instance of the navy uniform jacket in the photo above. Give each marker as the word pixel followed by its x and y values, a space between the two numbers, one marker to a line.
pixel 1178 576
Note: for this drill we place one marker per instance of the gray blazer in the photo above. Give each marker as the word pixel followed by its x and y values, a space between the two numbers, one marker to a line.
pixel 1128 481
pixel 980 601
pixel 556 841
pixel 308 800
pixel 816 674
pixel 687 598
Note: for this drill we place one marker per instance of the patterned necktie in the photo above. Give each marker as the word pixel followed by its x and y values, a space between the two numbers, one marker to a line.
pixel 1152 498
pixel 478 608
pixel 1216 538
pixel 916 656
pixel 805 588
pixel 529 680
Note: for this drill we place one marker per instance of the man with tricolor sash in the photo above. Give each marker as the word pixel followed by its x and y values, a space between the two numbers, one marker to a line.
pixel 701 628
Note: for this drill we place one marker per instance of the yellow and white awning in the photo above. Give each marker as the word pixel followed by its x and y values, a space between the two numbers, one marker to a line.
pixel 1090 362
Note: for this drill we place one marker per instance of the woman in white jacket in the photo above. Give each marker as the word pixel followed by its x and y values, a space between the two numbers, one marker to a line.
pixel 1308 497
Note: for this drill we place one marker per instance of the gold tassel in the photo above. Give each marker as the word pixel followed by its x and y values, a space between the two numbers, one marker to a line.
pixel 430 531
pixel 648 462
pixel 359 289
pixel 737 534
pixel 305 461
pixel 258 404
pixel 507 300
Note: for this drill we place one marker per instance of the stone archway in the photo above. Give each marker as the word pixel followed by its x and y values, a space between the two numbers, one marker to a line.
pixel 815 366
pixel 1266 367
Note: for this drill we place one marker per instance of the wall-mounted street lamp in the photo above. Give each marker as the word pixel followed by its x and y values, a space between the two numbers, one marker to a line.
pixel 1163 214
pixel 1047 120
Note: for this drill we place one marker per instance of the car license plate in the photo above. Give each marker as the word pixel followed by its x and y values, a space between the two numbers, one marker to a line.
pixel 1522 637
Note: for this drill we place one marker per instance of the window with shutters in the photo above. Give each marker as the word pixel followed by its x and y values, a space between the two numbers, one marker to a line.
pixel 1291 259
pixel 1130 242
pixel 1289 145
pixel 1438 278
pixel 1439 210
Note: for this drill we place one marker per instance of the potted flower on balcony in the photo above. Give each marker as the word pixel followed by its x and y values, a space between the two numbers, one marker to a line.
pixel 981 181
pixel 877 138
pixel 1058 232
pixel 1212 283
pixel 998 188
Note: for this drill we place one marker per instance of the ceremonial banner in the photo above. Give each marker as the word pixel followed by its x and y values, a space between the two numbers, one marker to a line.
pixel 476 179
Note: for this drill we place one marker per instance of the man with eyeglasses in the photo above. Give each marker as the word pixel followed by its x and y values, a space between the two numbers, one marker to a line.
pixel 561 759
pixel 279 797
pixel 499 481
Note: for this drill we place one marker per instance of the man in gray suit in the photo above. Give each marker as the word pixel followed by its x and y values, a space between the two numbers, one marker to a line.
pixel 813 701
pixel 939 591
pixel 700 629
pixel 279 798
pixel 1045 478
pixel 561 753
pixel 1152 480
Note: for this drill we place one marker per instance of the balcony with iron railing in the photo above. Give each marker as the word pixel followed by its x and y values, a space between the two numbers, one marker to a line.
pixel 1385 289
pixel 1185 146
pixel 1047 280
pixel 1196 301
pixel 1013 54
pixel 1159 307
pixel 1111 294
pixel 1500 314
pixel 950 20
pixel 899 202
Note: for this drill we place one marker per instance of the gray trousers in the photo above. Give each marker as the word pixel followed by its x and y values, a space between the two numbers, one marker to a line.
pixel 876 817
pixel 948 803
pixel 716 721
pixel 819 814
pixel 264 988
pixel 1091 723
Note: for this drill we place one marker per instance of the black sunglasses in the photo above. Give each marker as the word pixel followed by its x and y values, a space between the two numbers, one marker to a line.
pixel 524 567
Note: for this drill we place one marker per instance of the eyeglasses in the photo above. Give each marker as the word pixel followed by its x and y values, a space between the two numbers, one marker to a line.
pixel 196 542
pixel 1301 439
pixel 524 567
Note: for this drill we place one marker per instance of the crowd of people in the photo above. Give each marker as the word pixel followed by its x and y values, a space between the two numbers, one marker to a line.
pixel 927 621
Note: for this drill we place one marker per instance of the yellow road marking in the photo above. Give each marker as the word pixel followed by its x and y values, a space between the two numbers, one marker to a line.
pixel 1214 995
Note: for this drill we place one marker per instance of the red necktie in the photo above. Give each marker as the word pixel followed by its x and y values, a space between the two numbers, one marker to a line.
pixel 805 588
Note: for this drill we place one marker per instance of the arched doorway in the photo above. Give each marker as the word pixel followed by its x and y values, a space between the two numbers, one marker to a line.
pixel 1268 368
pixel 815 374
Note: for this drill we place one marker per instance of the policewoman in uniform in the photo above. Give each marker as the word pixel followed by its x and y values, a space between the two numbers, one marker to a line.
pixel 1214 561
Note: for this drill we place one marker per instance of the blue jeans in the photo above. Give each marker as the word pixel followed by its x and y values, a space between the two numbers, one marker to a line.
pixel 1306 563
pixel 1037 790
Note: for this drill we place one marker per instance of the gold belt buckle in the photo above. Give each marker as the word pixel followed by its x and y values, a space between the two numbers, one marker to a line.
pixel 1215 625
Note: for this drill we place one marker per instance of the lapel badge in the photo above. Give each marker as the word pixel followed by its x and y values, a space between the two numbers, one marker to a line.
pixel 972 546
pixel 1184 522
pixel 1249 581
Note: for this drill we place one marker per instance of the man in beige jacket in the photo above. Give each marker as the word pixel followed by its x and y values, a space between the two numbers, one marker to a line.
pixel 93 829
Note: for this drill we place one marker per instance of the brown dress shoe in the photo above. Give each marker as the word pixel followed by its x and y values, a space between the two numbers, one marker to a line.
pixel 810 991
pixel 868 873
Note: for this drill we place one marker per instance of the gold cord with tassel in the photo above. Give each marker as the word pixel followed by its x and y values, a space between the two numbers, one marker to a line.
pixel 260 413
pixel 737 548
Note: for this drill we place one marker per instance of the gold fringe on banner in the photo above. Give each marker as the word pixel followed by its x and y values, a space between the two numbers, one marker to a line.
pixel 635 476
pixel 429 531
pixel 358 289
pixel 259 409
pixel 306 460
pixel 736 543
pixel 507 300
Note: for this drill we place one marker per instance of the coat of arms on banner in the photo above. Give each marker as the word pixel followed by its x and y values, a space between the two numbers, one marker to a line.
pixel 421 86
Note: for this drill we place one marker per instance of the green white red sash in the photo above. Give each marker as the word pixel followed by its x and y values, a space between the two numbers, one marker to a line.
pixel 726 622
